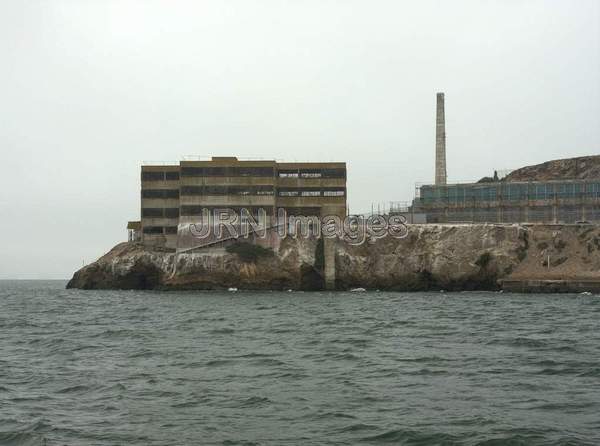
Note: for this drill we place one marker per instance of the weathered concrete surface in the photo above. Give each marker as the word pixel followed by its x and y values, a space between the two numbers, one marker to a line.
pixel 449 257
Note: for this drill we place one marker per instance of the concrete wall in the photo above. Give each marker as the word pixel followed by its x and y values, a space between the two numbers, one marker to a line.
pixel 165 240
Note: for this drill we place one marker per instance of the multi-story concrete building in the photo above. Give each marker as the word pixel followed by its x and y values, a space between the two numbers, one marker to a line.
pixel 558 201
pixel 177 194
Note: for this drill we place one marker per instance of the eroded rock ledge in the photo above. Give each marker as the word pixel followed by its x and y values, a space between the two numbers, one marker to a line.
pixel 449 257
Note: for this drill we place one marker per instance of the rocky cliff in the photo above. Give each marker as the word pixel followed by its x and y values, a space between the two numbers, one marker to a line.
pixel 450 257
pixel 582 168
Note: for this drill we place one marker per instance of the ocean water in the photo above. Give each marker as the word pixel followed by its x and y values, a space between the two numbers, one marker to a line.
pixel 272 368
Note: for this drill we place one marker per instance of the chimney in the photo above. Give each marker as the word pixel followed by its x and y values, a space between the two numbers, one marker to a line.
pixel 440 142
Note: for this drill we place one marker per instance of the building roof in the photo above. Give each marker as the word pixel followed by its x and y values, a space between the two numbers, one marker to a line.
pixel 135 225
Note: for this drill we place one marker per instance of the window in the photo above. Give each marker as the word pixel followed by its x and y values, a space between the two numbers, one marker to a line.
pixel 160 193
pixel 159 176
pixel 311 193
pixel 452 193
pixel 170 229
pixel 191 210
pixel 540 192
pixel 172 212
pixel 334 173
pixel 191 190
pixel 251 190
pixel 334 193
pixel 303 192
pixel 310 173
pixel 288 173
pixel 153 230
pixel 153 176
pixel 252 171
pixel 160 212
pixel 152 212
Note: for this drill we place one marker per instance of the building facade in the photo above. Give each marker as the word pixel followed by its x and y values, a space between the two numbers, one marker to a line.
pixel 564 201
pixel 178 194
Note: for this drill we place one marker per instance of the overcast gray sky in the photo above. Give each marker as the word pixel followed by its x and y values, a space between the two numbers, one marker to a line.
pixel 90 89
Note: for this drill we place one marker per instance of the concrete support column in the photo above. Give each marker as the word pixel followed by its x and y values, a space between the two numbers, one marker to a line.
pixel 329 260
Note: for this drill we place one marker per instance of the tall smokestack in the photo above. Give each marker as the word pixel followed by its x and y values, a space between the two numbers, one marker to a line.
pixel 440 141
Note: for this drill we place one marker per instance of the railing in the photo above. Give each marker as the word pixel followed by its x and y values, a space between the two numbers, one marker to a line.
pixel 160 163
pixel 399 206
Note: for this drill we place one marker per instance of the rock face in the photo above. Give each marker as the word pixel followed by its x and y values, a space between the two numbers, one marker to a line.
pixel 126 266
pixel 132 266
pixel 449 257
pixel 582 168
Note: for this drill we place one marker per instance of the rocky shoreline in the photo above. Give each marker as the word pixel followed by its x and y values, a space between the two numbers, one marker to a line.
pixel 432 257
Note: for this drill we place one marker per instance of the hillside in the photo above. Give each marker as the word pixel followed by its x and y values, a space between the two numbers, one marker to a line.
pixel 584 167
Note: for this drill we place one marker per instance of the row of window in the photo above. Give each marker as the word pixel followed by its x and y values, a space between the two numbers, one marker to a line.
pixel 242 190
pixel 247 172
pixel 160 230
pixel 227 190
pixel 198 210
pixel 160 193
pixel 311 192
pixel 312 173
pixel 160 212
pixel 227 171
pixel 160 176
pixel 190 210
pixel 508 191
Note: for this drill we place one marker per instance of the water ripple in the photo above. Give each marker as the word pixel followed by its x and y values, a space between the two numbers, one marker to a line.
pixel 152 368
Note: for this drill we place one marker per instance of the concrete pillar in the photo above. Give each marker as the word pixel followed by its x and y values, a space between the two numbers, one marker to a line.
pixel 329 260
pixel 440 141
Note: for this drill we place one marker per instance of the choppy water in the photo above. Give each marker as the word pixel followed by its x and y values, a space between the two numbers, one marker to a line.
pixel 150 368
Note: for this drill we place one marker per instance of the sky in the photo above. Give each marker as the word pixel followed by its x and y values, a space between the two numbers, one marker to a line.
pixel 90 90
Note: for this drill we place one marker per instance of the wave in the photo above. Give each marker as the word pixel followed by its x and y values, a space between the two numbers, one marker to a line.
pixel 255 401
pixel 29 435
pixel 358 427
pixel 21 439
pixel 224 330
pixel 412 438
pixel 74 389
pixel 219 362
